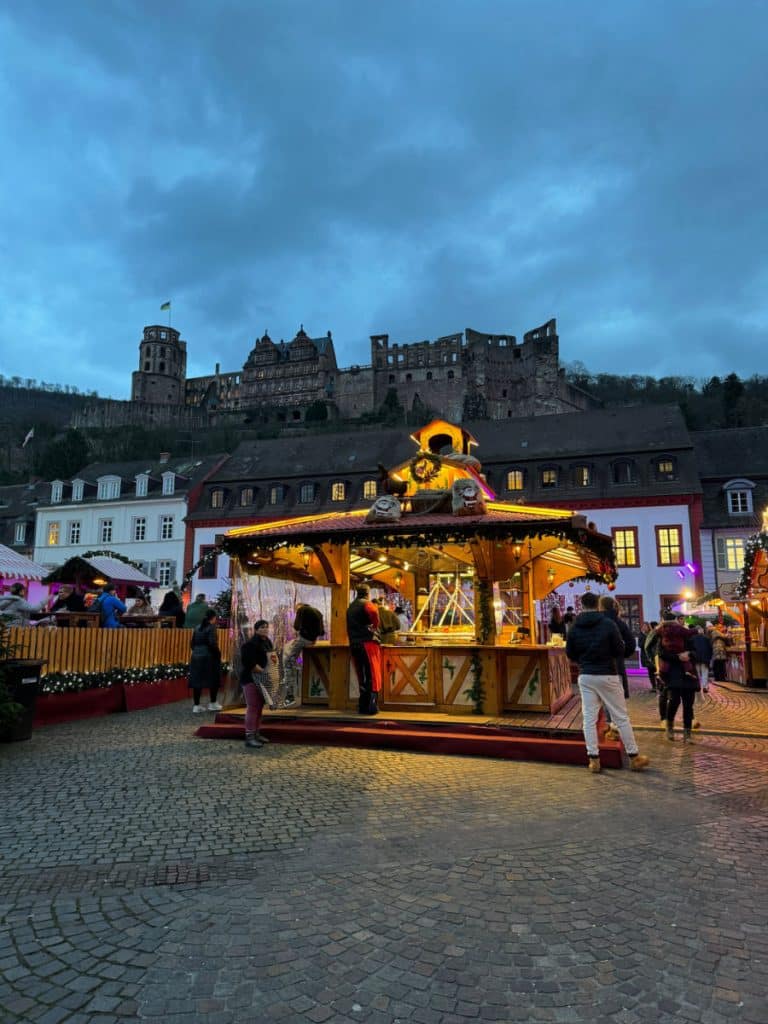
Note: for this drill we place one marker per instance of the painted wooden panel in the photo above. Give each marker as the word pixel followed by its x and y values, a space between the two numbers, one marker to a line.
pixel 316 676
pixel 406 676
pixel 454 677
pixel 523 682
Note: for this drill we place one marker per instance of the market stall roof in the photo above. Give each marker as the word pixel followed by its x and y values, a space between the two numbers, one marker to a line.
pixel 500 522
pixel 112 569
pixel 16 566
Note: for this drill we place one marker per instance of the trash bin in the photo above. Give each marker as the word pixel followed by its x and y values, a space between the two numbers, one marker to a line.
pixel 22 677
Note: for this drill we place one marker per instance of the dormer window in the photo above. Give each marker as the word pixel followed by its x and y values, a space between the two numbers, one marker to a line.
pixel 77 490
pixel 169 483
pixel 549 476
pixel 623 472
pixel 57 492
pixel 142 485
pixel 666 468
pixel 338 491
pixel 306 493
pixel 20 533
pixel 108 488
pixel 217 498
pixel 738 494
pixel 582 476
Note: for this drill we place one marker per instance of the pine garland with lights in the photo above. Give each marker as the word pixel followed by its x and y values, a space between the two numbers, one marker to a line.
pixel 78 682
pixel 755 544
pixel 115 555
pixel 202 561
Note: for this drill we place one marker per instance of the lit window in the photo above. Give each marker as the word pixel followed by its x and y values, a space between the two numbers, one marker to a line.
pixel 246 496
pixel 74 532
pixel 669 545
pixel 665 469
pixel 338 491
pixel 276 494
pixel 549 478
pixel 139 528
pixel 217 498
pixel 739 502
pixel 169 483
pixel 370 489
pixel 730 553
pixel 105 531
pixel 166 527
pixel 515 478
pixel 625 546
pixel 53 533
pixel 582 476
pixel 306 493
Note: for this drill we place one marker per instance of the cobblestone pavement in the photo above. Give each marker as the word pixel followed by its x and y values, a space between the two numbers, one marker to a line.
pixel 147 875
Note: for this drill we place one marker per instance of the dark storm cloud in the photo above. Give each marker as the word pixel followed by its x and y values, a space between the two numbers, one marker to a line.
pixel 404 168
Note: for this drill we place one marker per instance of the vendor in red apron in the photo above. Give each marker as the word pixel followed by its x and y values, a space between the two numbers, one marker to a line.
pixel 364 649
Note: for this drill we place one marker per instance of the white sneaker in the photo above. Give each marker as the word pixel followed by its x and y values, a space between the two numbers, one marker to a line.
pixel 197 708
pixel 216 707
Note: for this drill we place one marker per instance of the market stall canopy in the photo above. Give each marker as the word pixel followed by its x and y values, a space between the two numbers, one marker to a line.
pixel 95 567
pixel 18 567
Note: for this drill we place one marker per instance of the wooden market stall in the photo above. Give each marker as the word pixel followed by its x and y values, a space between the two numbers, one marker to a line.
pixel 470 568
pixel 748 660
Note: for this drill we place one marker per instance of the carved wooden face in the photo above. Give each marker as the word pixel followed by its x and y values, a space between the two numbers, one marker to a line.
pixel 386 509
pixel 467 498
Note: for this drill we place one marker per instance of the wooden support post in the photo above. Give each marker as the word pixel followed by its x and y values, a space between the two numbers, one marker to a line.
pixel 338 559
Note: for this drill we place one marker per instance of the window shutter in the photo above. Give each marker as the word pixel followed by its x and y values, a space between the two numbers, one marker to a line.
pixel 721 553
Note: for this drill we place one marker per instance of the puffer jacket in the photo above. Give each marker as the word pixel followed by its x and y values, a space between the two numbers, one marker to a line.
pixel 595 644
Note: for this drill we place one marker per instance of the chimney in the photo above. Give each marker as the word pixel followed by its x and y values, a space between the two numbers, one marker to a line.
pixel 164 457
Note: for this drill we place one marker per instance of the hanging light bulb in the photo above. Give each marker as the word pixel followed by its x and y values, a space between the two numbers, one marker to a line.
pixel 305 557
pixel 550 575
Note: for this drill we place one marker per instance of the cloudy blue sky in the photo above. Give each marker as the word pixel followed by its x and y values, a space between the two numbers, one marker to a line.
pixel 409 167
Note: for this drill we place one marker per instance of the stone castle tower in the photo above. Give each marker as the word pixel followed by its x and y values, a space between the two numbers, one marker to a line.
pixel 161 376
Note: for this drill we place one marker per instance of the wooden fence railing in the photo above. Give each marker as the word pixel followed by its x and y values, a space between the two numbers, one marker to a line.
pixel 96 650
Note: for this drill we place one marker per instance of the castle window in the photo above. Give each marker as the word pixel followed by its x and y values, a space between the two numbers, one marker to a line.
pixel 504 393
pixel 370 489
pixel 429 375
pixel 163 334
pixel 217 498
pixel 161 368
pixel 409 376
pixel 162 352
pixel 450 375
pixel 516 353
pixel 246 496
pixel 338 491
pixel 307 493
pixel 391 378
pixel 146 367
pixel 276 494
pixel 515 480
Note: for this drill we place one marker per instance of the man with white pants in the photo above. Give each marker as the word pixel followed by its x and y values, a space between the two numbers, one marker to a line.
pixel 595 644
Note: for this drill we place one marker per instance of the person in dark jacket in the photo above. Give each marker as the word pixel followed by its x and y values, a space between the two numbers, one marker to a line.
pixel 309 627
pixel 676 665
pixel 702 650
pixel 595 644
pixel 254 656
pixel 609 606
pixel 648 663
pixel 556 623
pixel 362 626
pixel 389 624
pixel 205 663
pixel 171 605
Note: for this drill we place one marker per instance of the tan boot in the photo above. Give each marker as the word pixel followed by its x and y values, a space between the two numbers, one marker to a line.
pixel 639 763
pixel 594 765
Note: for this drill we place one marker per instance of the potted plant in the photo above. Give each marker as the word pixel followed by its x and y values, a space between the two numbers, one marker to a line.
pixel 19 681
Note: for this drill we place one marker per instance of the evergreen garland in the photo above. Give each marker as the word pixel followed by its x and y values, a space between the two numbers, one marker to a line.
pixel 751 549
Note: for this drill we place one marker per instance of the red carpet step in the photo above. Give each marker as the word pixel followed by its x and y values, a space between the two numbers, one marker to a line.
pixel 514 744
